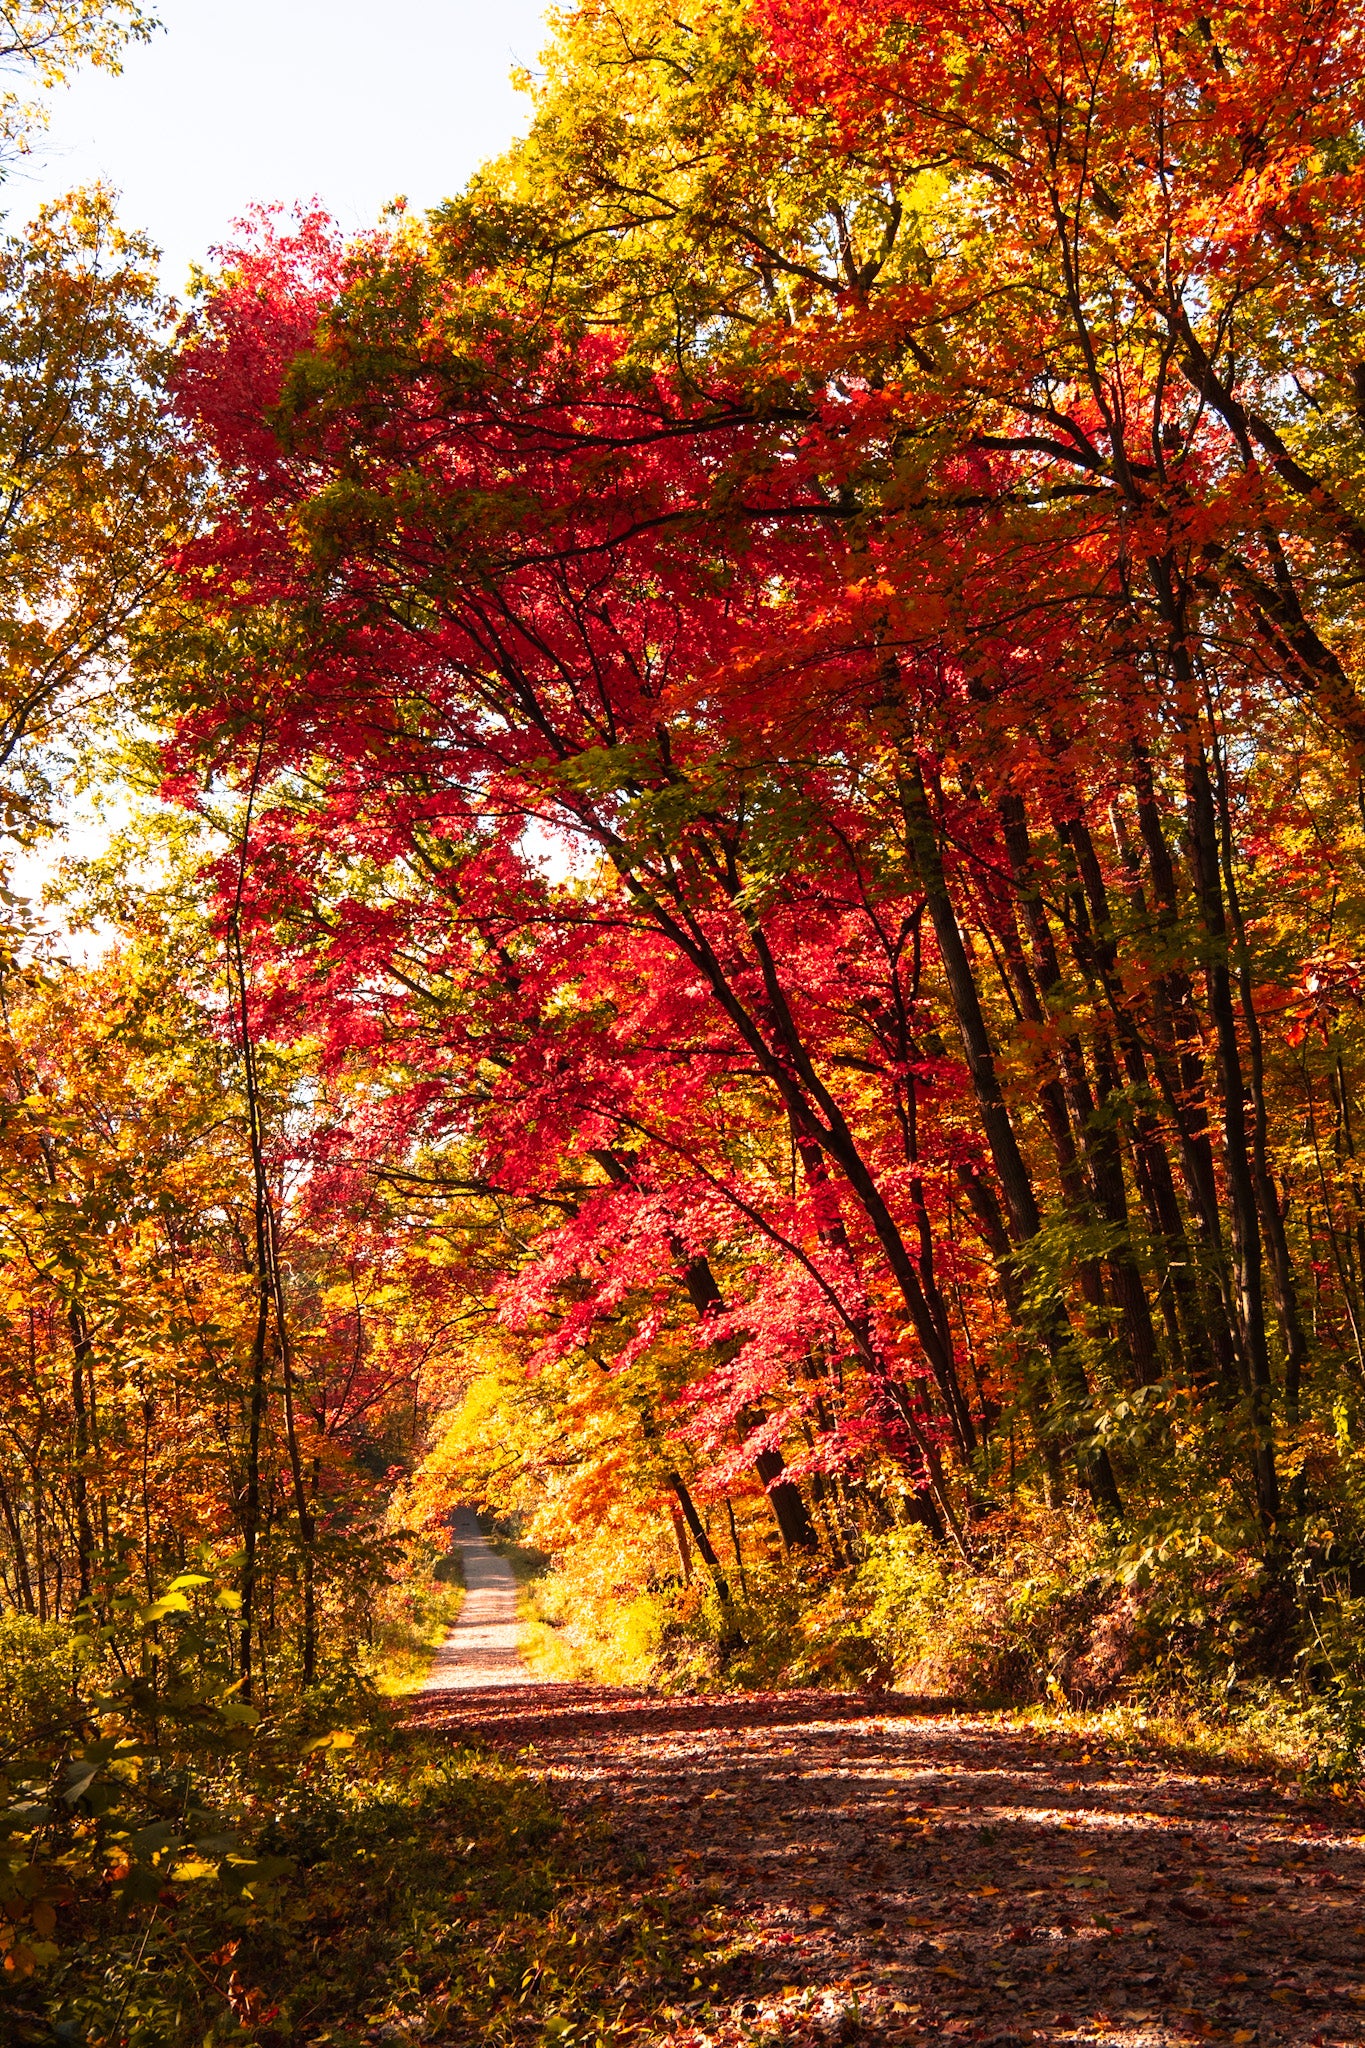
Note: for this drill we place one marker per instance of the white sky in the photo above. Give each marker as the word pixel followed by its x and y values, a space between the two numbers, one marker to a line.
pixel 342 100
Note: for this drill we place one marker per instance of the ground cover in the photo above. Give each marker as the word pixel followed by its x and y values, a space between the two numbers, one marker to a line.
pixel 570 1864
pixel 860 1868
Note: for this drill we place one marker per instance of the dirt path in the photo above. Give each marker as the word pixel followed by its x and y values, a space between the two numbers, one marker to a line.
pixel 483 1647
pixel 872 1870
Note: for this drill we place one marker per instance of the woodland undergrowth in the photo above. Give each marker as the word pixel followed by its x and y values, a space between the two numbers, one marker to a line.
pixel 1249 1665
pixel 191 1873
pixel 153 1822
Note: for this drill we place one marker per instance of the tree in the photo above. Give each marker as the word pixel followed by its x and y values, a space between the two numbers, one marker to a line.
pixel 809 791
pixel 96 480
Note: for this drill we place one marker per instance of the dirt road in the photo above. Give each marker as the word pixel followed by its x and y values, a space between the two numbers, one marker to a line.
pixel 875 1871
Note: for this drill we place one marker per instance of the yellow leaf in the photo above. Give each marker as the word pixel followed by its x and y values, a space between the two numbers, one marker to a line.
pixel 170 1603
pixel 340 1738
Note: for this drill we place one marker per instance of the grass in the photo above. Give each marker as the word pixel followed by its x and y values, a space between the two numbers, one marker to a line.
pixel 526 1561
pixel 425 1892
pixel 1269 1739
pixel 413 1623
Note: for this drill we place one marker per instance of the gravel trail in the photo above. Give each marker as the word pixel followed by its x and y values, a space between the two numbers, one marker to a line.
pixel 483 1648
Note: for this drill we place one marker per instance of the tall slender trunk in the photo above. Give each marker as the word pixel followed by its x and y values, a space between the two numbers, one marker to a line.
pixel 1267 1198
pixel 680 1538
pixel 1101 1145
pixel 1202 837
pixel 687 1507
pixel 302 1510
pixel 1246 1233
pixel 1177 1065
pixel 985 1207
pixel 40 1538
pixel 256 1395
pixel 251 1491
pixel 22 1578
pixel 705 1548
pixel 892 1397
pixel 1020 1201
pixel 269 1301
pixel 85 1534
pixel 734 1545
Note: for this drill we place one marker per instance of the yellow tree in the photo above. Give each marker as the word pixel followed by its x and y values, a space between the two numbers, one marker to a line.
pixel 94 484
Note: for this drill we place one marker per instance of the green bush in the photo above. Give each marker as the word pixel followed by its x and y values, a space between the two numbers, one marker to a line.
pixel 412 1617
pixel 42 1664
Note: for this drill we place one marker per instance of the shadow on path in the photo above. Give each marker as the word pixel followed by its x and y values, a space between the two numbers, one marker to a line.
pixel 876 1867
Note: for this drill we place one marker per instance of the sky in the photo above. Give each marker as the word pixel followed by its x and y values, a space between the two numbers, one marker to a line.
pixel 236 101
pixel 343 100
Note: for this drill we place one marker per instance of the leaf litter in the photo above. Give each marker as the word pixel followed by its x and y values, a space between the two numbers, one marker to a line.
pixel 866 1868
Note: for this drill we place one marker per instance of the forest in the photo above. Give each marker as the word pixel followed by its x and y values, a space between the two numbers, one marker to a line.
pixel 728 924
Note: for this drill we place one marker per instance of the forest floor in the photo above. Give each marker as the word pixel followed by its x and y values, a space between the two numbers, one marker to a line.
pixel 867 1868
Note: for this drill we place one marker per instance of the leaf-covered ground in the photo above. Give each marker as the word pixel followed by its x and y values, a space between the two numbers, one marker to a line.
pixel 854 1868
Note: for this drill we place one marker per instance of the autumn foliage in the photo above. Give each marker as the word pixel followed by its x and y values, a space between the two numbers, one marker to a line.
pixel 732 925
pixel 798 644
pixel 777 685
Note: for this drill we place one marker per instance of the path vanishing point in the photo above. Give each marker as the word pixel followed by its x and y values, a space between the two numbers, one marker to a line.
pixel 482 1648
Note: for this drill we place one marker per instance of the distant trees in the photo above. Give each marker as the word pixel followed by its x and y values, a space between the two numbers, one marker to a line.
pixel 202 1367
pixel 136 1444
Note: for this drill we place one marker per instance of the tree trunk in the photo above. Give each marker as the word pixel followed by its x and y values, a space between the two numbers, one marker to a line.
pixel 699 1536
pixel 1020 1202
pixel 789 1510
pixel 85 1535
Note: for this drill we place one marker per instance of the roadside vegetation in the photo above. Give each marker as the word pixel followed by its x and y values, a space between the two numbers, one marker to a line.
pixel 1208 1661
pixel 179 1868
